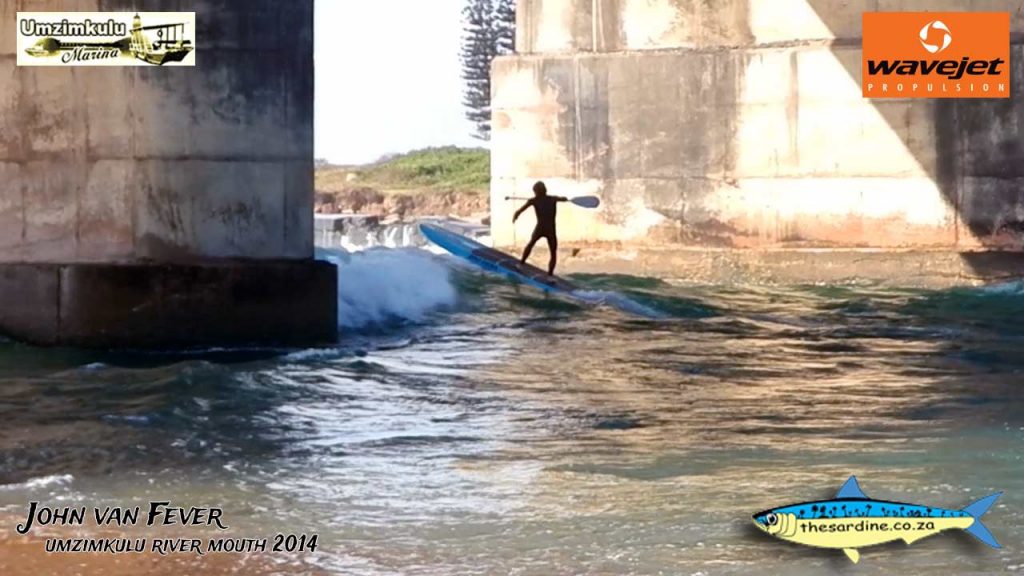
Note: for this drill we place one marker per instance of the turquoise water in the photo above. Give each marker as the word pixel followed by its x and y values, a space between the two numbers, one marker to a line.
pixel 464 425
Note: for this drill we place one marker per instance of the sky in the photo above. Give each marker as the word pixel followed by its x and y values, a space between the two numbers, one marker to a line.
pixel 387 78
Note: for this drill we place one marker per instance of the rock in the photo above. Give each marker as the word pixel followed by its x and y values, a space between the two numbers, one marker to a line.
pixel 358 198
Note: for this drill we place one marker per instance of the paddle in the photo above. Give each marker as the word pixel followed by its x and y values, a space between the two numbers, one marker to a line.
pixel 581 201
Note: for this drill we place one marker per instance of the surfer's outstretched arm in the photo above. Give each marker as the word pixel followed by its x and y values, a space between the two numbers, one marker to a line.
pixel 560 198
pixel 520 211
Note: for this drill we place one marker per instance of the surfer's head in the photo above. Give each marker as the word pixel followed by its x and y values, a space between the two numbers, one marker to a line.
pixel 540 190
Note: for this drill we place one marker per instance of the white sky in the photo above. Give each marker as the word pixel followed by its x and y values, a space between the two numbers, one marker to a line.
pixel 388 78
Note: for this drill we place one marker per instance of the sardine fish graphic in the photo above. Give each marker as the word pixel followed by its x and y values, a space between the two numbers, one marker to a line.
pixel 852 521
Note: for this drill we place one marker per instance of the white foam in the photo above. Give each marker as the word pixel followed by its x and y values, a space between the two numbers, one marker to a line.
pixel 619 302
pixel 1012 288
pixel 312 354
pixel 381 285
pixel 42 482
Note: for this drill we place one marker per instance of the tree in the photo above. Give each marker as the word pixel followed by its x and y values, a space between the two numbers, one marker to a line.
pixel 489 32
pixel 505 26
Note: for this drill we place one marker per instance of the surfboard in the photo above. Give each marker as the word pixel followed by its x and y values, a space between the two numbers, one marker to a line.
pixel 496 261
pixel 499 262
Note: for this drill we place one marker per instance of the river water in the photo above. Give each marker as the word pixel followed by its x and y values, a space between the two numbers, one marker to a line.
pixel 464 425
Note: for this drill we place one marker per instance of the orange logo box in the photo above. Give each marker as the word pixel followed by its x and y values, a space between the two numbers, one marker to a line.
pixel 936 55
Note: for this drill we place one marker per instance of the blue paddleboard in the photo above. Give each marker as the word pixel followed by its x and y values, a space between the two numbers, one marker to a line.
pixel 496 261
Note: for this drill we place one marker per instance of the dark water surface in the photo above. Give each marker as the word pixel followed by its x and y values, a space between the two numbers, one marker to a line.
pixel 513 433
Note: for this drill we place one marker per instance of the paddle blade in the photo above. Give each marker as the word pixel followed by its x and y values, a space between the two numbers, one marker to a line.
pixel 586 201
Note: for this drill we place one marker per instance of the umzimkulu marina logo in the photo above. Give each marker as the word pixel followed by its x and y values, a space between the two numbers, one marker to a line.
pixel 936 55
pixel 851 521
pixel 106 38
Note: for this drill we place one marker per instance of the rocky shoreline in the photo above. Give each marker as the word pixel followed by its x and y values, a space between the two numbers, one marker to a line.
pixel 404 205
pixel 908 268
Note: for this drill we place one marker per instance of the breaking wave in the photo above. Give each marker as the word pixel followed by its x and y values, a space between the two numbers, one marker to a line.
pixel 381 286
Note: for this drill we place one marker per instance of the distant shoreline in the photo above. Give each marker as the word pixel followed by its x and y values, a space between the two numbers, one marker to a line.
pixel 450 180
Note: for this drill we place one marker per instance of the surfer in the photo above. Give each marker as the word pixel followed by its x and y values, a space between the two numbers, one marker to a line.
pixel 546 208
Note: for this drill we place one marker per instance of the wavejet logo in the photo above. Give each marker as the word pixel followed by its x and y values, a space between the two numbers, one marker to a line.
pixel 936 55
pixel 106 38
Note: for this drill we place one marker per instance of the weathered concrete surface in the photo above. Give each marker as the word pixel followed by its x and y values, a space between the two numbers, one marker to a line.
pixel 569 26
pixel 551 26
pixel 169 165
pixel 741 124
pixel 123 163
pixel 162 306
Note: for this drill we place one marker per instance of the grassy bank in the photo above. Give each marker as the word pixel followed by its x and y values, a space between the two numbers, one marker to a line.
pixel 447 169
pixel 431 181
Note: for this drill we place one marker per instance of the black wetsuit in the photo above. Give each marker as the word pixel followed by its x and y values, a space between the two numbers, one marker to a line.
pixel 546 208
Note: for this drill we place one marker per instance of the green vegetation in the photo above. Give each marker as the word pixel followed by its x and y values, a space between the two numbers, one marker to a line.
pixel 439 169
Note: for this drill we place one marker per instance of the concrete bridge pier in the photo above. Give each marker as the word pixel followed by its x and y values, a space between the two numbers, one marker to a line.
pixel 723 135
pixel 158 206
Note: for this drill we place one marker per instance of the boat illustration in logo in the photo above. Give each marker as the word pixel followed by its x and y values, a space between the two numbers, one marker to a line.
pixel 170 46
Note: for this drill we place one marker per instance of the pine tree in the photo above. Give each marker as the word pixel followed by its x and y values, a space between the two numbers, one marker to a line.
pixel 489 31
pixel 505 26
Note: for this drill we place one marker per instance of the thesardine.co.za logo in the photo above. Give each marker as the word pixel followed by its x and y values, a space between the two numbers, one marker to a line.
pixel 106 38
pixel 851 521
pixel 936 55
